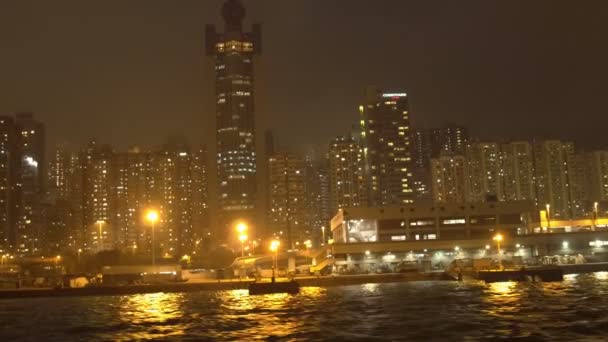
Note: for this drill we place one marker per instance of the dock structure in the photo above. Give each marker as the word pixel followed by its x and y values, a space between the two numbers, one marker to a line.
pixel 545 274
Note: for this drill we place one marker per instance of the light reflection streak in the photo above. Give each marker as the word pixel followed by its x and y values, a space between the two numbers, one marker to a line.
pixel 601 275
pixel 263 316
pixel 160 309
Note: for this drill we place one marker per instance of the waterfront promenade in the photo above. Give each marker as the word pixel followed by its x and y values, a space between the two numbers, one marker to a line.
pixel 215 285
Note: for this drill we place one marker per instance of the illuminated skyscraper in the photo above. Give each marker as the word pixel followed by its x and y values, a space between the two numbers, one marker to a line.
pixel 30 183
pixel 59 172
pixel 287 198
pixel 597 164
pixel 99 197
pixel 449 175
pixel 517 172
pixel 318 195
pixel 483 172
pixel 450 138
pixel 8 163
pixel 346 174
pixel 385 136
pixel 233 51
pixel 555 169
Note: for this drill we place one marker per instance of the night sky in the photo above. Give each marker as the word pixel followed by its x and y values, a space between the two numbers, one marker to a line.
pixel 135 72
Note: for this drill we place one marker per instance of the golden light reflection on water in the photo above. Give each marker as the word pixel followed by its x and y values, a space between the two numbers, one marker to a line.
pixel 503 288
pixel 502 298
pixel 601 275
pixel 153 308
pixel 268 315
pixel 371 288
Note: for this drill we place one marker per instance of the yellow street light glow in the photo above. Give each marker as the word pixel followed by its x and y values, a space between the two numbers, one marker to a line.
pixel 241 227
pixel 152 216
pixel 498 237
pixel 274 245
pixel 243 237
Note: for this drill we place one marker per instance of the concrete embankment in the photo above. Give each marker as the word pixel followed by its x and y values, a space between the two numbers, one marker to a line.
pixel 216 286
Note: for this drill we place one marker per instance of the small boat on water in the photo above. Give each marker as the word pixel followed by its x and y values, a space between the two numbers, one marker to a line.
pixel 291 287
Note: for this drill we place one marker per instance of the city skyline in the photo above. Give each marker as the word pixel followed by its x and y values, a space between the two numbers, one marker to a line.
pixel 105 93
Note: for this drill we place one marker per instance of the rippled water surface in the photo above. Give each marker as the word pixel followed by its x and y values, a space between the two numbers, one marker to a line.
pixel 575 309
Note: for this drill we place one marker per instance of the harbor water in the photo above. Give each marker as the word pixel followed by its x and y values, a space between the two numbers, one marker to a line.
pixel 574 309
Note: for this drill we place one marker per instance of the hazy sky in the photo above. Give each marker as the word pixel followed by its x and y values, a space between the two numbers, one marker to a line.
pixel 134 71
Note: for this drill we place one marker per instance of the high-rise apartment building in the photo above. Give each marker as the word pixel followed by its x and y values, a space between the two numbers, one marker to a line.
pixel 233 51
pixel 449 179
pixel 287 216
pixel 483 172
pixel 318 196
pixel 346 174
pixel 555 170
pixel 597 166
pixel 450 138
pixel 99 217
pixel 29 183
pixel 385 137
pixel 8 170
pixel 517 172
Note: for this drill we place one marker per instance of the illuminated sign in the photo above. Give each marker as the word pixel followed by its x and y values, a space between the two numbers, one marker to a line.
pixel 394 95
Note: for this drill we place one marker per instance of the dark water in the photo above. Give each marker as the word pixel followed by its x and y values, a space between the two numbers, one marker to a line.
pixel 575 309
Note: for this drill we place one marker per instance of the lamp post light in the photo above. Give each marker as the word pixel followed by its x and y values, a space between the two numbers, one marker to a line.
pixel 308 244
pixel 243 238
pixel 498 239
pixel 595 205
pixel 274 247
pixel 241 229
pixel 323 234
pixel 152 217
pixel 548 207
pixel 79 252
pixel 100 236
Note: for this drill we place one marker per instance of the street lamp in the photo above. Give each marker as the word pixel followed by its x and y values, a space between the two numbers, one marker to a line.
pixel 152 217
pixel 595 205
pixel 308 244
pixel 79 252
pixel 274 247
pixel 498 239
pixel 243 238
pixel 323 234
pixel 241 229
pixel 548 206
pixel 100 240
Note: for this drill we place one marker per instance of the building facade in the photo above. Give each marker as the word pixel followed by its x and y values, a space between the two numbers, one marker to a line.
pixel 385 139
pixel 346 174
pixel 449 179
pixel 287 213
pixel 233 52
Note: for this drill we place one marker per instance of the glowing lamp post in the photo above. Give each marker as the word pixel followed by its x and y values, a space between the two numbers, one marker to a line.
pixel 595 204
pixel 498 239
pixel 274 248
pixel 100 236
pixel 241 229
pixel 243 238
pixel 152 217
pixel 308 244
pixel 548 207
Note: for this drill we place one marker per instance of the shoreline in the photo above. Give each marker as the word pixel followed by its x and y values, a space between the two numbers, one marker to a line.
pixel 328 281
